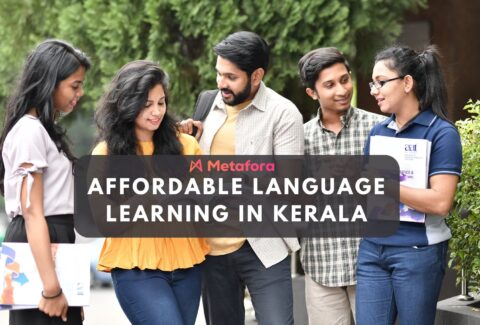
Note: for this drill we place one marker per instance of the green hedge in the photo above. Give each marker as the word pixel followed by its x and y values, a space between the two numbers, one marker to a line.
pixel 465 218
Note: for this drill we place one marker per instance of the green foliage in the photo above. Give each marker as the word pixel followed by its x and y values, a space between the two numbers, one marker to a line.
pixel 465 218
pixel 180 34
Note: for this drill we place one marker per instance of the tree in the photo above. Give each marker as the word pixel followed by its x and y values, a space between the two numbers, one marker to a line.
pixel 180 34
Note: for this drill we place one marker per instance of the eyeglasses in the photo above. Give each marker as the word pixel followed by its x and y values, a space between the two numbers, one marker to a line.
pixel 377 84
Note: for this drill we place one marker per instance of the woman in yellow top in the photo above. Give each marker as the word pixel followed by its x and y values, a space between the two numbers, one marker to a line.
pixel 156 280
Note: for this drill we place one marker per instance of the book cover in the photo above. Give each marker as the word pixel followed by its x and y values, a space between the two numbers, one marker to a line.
pixel 20 282
pixel 413 157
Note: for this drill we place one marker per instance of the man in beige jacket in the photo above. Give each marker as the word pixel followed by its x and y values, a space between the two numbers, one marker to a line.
pixel 248 118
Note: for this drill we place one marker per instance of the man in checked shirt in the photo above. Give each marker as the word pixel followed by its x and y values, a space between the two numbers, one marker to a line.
pixel 338 129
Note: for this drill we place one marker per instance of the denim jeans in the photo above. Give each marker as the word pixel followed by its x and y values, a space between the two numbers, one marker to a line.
pixel 224 281
pixel 154 297
pixel 403 281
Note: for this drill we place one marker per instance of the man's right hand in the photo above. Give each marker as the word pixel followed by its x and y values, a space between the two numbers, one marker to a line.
pixel 189 126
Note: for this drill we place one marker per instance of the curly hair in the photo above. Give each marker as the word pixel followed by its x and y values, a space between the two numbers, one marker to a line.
pixel 124 101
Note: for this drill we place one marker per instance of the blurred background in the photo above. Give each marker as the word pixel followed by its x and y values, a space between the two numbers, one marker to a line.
pixel 180 34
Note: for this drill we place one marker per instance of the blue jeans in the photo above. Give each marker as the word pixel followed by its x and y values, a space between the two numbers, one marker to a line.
pixel 403 281
pixel 224 281
pixel 154 297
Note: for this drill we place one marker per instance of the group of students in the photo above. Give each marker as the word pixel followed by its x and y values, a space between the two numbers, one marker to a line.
pixel 160 280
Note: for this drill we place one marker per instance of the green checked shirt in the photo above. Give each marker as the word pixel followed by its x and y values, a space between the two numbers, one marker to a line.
pixel 332 261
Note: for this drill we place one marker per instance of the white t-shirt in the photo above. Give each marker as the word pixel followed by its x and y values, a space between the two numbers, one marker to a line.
pixel 29 143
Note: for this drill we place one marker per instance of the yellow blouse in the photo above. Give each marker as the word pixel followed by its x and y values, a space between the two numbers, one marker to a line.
pixel 166 254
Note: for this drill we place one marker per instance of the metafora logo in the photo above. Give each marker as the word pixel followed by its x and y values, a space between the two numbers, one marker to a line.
pixel 232 166
pixel 410 147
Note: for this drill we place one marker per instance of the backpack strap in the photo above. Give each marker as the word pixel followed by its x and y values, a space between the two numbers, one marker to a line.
pixel 204 104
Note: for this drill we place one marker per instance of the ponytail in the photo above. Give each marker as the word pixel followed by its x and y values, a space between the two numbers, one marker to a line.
pixel 435 90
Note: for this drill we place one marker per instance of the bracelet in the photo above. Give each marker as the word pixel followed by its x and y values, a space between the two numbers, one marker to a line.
pixel 52 297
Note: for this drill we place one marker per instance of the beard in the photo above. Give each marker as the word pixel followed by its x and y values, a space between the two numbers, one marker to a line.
pixel 238 98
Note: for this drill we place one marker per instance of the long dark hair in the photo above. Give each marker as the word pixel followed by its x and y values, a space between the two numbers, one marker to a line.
pixel 51 62
pixel 124 100
pixel 424 67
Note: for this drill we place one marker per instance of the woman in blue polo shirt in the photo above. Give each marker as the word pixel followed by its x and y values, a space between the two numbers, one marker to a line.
pixel 401 275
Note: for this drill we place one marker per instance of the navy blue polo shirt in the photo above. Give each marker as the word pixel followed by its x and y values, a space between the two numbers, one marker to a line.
pixel 445 158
